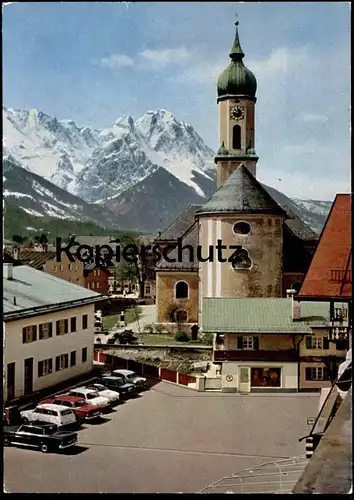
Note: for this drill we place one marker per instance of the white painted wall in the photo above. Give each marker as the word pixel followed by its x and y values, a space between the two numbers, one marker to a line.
pixel 15 351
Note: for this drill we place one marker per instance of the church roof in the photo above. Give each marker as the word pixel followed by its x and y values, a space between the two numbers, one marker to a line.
pixel 180 225
pixel 183 264
pixel 242 193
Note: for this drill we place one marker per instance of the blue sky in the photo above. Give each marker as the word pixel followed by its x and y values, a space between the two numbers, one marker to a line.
pixel 92 62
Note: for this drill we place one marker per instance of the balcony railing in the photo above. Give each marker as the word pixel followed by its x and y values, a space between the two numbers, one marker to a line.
pixel 341 275
pixel 256 355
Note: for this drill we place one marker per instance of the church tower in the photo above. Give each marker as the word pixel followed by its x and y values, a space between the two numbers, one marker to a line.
pixel 237 88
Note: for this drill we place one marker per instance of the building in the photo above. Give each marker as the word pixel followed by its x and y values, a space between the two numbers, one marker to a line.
pixel 97 278
pixel 276 245
pixel 271 344
pixel 49 330
pixel 329 277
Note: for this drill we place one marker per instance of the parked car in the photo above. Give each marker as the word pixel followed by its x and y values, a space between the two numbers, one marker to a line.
pixel 51 414
pixel 44 436
pixel 91 397
pixel 82 410
pixel 113 396
pixel 119 384
pixel 131 377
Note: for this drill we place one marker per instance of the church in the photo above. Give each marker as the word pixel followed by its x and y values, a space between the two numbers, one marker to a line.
pixel 275 245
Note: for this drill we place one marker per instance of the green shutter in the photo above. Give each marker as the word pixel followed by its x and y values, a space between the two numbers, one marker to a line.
pixel 325 343
pixel 256 343
pixel 308 374
pixel 308 342
pixel 239 343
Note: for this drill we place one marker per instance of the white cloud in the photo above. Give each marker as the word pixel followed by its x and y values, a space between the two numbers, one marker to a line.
pixel 167 56
pixel 313 117
pixel 117 61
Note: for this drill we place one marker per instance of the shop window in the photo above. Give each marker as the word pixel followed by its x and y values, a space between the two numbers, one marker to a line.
pixel 265 377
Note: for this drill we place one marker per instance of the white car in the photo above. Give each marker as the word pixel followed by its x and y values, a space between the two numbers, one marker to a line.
pixel 91 396
pixel 113 396
pixel 49 413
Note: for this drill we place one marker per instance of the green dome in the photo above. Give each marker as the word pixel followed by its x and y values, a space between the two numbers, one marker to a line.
pixel 236 79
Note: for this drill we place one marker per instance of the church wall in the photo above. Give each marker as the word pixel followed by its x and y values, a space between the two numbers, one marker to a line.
pixel 226 168
pixel 165 295
pixel 264 244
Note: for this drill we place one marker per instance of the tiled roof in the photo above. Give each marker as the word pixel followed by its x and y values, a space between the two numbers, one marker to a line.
pixel 94 240
pixel 180 225
pixel 330 272
pixel 191 238
pixel 32 289
pixel 35 259
pixel 254 315
pixel 241 193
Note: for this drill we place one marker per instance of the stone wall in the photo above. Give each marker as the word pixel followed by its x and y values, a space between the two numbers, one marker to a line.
pixel 165 295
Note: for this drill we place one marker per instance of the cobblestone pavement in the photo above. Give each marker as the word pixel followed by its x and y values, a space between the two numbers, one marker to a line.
pixel 169 439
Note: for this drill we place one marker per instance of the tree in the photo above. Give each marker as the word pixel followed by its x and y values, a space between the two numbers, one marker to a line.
pixel 17 238
pixel 136 265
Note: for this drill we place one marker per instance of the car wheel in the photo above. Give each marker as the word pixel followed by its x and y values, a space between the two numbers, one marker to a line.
pixel 25 419
pixel 44 448
pixel 7 442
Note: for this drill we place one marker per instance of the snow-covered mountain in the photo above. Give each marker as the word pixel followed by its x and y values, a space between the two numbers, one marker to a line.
pixel 137 174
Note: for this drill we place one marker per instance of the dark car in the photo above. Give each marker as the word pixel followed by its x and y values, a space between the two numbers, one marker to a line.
pixel 46 437
pixel 119 384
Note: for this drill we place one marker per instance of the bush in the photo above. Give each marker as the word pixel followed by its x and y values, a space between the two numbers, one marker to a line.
pixel 148 329
pixel 181 337
pixel 207 339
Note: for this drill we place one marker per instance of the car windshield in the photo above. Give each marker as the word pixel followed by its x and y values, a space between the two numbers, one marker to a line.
pixel 66 412
pixel 77 404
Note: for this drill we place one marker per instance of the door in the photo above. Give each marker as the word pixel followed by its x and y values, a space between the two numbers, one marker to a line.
pixel 245 379
pixel 10 381
pixel 28 385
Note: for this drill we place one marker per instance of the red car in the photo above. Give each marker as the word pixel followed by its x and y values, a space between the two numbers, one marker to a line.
pixel 82 410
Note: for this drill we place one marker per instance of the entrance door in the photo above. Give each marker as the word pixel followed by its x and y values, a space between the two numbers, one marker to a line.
pixel 28 375
pixel 245 379
pixel 10 379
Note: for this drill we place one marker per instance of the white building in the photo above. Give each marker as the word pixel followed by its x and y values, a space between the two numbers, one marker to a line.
pixel 49 330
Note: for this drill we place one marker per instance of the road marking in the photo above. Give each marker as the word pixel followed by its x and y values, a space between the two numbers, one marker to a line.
pixel 147 448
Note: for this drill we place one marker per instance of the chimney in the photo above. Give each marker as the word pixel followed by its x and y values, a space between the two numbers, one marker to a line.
pixel 8 271
pixel 295 304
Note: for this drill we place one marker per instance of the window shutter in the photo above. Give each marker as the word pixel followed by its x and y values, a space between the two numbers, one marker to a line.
pixel 325 373
pixel 256 343
pixel 50 365
pixel 34 333
pixel 24 335
pixel 66 326
pixel 40 368
pixel 50 329
pixel 308 342
pixel 325 343
pixel 66 360
pixel 40 331
pixel 239 343
pixel 57 363
pixel 58 327
pixel 308 373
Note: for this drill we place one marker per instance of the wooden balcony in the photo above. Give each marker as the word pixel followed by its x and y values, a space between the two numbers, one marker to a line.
pixel 256 355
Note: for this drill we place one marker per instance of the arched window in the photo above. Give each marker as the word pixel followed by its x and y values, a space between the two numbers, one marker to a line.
pixel 181 316
pixel 242 260
pixel 242 228
pixel 236 137
pixel 181 290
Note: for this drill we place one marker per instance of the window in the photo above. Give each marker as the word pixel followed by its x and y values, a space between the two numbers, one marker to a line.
pixel 61 267
pixel 265 377
pixel 45 367
pixel 148 289
pixel 317 342
pixel 70 267
pixel 181 290
pixel 236 137
pixel 61 362
pixel 29 334
pixel 73 324
pixel 317 373
pixel 98 272
pixel 66 412
pixel 45 330
pixel 73 358
pixel 242 260
pixel 84 354
pixel 247 342
pixel 62 327
pixel 241 228
pixel 84 321
pixel 97 284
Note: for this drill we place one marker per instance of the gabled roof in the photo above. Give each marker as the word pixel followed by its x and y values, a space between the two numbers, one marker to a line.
pixel 242 193
pixel 35 259
pixel 183 264
pixel 180 225
pixel 258 315
pixel 330 272
pixel 31 292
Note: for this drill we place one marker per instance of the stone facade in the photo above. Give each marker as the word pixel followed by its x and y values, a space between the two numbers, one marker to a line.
pixel 166 296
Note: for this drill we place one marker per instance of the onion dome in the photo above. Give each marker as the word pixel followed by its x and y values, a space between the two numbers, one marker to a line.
pixel 236 79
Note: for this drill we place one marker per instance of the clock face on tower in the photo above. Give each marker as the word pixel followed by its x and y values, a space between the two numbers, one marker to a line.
pixel 237 113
